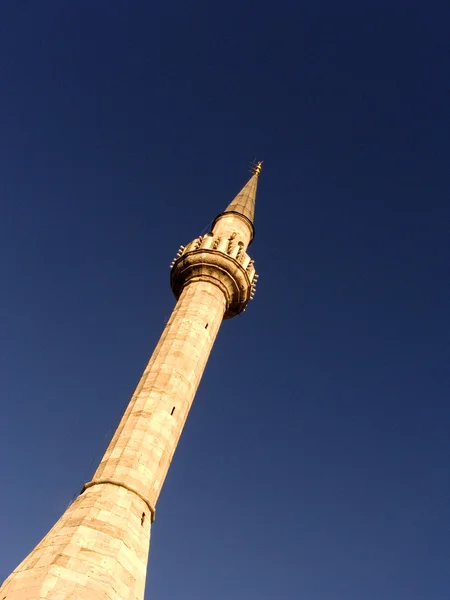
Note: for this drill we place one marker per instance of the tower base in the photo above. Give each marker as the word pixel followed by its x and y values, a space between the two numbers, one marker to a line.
pixel 98 550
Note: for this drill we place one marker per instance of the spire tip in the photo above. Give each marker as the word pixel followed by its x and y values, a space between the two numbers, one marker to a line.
pixel 257 168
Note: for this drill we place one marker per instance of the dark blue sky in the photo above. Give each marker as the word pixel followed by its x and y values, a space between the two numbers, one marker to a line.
pixel 314 464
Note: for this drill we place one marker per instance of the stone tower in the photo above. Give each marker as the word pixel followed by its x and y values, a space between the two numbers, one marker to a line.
pixel 99 547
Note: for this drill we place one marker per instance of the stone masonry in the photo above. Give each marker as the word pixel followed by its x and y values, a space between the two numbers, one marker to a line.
pixel 98 550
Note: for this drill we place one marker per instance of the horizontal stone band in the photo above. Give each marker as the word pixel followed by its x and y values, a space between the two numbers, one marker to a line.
pixel 123 485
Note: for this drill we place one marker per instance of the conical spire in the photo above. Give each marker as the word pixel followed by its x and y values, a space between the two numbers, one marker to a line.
pixel 244 202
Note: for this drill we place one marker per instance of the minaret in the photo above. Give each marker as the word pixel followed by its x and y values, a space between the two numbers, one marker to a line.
pixel 98 550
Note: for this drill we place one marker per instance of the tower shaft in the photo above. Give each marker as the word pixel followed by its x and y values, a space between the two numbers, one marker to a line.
pixel 141 450
pixel 98 549
pixel 100 545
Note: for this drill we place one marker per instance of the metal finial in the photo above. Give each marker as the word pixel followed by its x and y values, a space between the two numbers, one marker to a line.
pixel 257 168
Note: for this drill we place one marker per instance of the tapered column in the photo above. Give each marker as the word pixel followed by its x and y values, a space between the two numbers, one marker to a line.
pixel 140 452
pixel 99 547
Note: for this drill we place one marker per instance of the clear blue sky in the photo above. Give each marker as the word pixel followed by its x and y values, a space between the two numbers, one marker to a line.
pixel 314 464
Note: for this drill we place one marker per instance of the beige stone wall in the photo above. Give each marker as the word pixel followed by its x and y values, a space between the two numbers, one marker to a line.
pixel 141 450
pixel 99 547
pixel 97 550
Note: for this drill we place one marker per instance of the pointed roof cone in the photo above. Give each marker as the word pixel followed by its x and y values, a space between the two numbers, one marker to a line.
pixel 244 203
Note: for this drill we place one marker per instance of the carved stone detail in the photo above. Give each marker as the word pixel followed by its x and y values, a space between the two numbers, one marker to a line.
pixel 218 267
